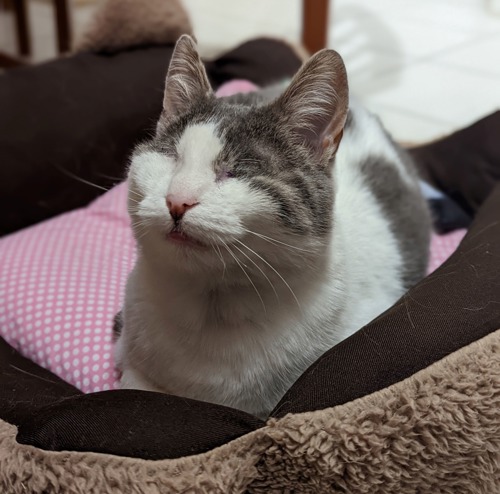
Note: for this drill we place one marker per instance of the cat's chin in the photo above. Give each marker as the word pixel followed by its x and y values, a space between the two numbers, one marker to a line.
pixel 183 240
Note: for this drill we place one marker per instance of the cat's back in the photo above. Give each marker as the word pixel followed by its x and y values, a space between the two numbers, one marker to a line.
pixel 381 220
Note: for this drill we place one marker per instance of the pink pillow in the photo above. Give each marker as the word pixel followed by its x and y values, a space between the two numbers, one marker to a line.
pixel 442 247
pixel 61 284
pixel 234 87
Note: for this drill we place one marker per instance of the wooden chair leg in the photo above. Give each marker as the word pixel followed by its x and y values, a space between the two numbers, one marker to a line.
pixel 22 27
pixel 63 24
pixel 315 24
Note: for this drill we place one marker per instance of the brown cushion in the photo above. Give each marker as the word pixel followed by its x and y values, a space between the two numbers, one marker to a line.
pixel 133 423
pixel 54 415
pixel 25 386
pixel 465 165
pixel 74 118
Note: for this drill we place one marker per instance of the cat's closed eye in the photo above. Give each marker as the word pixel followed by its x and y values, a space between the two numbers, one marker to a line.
pixel 223 174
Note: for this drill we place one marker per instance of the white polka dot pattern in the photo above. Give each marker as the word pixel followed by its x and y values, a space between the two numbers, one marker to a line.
pixel 61 284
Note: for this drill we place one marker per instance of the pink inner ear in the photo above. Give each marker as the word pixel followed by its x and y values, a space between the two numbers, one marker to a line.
pixel 234 87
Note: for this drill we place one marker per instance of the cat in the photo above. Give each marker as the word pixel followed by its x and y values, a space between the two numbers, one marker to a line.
pixel 269 228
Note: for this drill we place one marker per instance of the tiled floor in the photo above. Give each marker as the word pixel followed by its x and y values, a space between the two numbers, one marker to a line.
pixel 427 67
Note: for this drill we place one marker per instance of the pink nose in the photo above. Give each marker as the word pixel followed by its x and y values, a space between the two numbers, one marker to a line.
pixel 178 206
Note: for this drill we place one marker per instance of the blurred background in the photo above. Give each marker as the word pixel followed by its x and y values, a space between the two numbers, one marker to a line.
pixel 426 67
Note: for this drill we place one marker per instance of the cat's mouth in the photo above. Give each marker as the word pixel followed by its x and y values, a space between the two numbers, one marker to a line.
pixel 178 237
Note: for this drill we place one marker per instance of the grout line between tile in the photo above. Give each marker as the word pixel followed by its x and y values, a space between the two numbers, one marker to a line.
pixel 483 73
pixel 415 114
pixel 415 60
pixel 430 59
pixel 463 44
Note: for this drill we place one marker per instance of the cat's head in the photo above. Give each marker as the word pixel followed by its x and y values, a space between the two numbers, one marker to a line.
pixel 234 183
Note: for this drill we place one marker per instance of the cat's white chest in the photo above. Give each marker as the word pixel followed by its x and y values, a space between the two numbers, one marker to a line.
pixel 246 358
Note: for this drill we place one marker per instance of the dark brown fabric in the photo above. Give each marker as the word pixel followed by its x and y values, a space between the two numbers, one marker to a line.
pixel 453 307
pixel 25 386
pixel 133 423
pixel 54 415
pixel 74 117
pixel 262 61
pixel 79 117
pixel 466 164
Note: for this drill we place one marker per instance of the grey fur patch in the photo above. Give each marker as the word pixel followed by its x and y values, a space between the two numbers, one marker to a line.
pixel 406 209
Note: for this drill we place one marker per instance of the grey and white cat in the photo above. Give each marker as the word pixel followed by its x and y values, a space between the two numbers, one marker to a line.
pixel 268 229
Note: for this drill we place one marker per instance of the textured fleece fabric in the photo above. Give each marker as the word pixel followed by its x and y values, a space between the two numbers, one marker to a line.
pixel 435 432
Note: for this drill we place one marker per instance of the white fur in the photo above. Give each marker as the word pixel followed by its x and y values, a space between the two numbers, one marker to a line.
pixel 361 229
pixel 197 149
pixel 368 138
pixel 197 326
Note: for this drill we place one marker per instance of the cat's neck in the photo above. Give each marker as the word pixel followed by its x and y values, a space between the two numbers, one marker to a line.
pixel 228 292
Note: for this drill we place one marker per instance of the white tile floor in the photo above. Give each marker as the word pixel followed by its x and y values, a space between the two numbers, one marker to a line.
pixel 427 67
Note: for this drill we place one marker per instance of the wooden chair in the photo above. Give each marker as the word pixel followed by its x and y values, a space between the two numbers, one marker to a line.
pixel 23 34
pixel 315 24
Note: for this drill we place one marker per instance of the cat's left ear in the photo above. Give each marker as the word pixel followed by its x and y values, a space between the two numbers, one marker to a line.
pixel 186 79
pixel 316 103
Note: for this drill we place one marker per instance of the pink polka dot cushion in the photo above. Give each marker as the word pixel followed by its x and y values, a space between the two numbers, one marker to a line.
pixel 62 282
pixel 442 247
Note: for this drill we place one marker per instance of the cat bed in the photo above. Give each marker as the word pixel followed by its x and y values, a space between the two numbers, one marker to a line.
pixel 62 282
pixel 410 403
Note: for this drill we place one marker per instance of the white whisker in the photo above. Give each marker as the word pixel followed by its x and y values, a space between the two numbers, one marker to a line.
pixel 142 234
pixel 218 251
pixel 274 241
pixel 272 267
pixel 82 180
pixel 130 191
pixel 246 274
pixel 141 227
pixel 87 182
pixel 134 200
pixel 257 266
pixel 109 177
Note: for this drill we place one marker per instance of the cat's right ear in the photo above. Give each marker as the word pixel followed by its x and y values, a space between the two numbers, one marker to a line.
pixel 186 79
